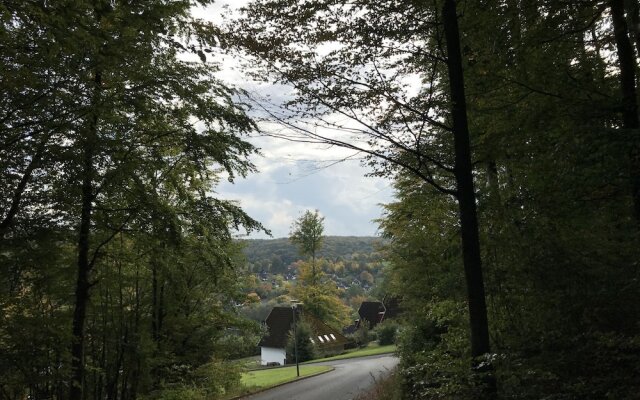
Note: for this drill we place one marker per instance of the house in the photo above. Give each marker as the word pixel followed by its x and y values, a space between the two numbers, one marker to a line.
pixel 371 313
pixel 279 323
pixel 392 307
pixel 374 312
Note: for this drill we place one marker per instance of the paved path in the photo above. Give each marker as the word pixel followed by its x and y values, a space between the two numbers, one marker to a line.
pixel 349 378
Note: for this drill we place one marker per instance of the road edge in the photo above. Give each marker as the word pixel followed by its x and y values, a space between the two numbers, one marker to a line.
pixel 298 379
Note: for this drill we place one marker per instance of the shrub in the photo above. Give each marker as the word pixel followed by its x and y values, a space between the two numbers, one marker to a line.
pixel 363 335
pixel 386 332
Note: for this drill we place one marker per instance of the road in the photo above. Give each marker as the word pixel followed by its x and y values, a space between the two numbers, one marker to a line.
pixel 349 378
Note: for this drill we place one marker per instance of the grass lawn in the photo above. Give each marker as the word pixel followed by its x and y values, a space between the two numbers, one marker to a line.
pixel 372 350
pixel 270 377
pixel 252 362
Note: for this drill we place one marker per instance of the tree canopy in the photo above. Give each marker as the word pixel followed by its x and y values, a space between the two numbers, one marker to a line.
pixel 116 256
pixel 306 233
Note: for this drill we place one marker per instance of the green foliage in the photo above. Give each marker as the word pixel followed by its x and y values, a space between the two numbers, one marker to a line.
pixel 320 297
pixel 333 248
pixel 363 335
pixel 306 233
pixel 386 388
pixel 306 349
pixel 110 147
pixel 386 332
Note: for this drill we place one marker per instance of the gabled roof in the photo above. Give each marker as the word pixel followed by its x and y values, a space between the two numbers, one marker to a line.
pixel 323 334
pixel 392 307
pixel 372 312
pixel 280 322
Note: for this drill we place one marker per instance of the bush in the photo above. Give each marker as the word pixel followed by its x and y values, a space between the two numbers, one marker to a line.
pixel 209 381
pixel 386 332
pixel 385 388
pixel 363 335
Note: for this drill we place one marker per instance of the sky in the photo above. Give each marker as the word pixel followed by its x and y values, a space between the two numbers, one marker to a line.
pixel 294 177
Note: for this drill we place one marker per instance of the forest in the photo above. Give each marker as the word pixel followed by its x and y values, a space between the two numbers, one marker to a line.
pixel 510 130
pixel 274 254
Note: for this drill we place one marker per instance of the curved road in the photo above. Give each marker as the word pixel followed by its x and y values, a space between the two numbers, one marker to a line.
pixel 349 378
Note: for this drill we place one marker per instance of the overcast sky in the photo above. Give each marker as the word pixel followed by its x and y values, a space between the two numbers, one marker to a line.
pixel 294 177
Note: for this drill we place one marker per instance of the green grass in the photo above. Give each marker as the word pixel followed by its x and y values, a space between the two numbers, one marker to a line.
pixel 252 362
pixel 372 350
pixel 265 378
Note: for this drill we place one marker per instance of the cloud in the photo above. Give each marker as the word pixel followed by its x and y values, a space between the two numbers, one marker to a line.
pixel 295 176
pixel 347 199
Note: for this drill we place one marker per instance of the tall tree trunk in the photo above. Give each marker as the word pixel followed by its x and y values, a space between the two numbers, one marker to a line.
pixel 627 61
pixel 466 195
pixel 84 263
pixel 154 298
pixel 633 9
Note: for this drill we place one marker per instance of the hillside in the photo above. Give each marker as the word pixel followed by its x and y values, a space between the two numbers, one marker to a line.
pixel 353 264
pixel 334 248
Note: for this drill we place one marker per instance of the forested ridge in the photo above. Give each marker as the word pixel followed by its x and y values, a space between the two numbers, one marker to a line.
pixel 509 128
pixel 333 248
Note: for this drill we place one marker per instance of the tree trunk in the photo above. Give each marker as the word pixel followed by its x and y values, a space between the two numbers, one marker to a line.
pixel 154 298
pixel 630 119
pixel 84 263
pixel 633 9
pixel 466 195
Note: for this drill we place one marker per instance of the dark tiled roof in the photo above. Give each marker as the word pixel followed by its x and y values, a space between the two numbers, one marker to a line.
pixel 392 307
pixel 280 322
pixel 372 312
pixel 330 337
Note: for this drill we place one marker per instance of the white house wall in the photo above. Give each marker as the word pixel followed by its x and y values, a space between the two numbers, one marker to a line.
pixel 271 355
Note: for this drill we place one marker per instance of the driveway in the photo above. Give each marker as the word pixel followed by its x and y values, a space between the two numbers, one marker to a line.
pixel 349 378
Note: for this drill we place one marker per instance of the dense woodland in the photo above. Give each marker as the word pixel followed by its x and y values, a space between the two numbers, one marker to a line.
pixel 262 254
pixel 117 271
pixel 509 127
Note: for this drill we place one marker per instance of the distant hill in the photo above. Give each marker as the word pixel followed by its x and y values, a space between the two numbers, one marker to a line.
pixel 333 247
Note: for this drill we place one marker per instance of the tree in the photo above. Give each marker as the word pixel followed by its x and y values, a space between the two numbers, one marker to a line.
pixel 99 144
pixel 306 349
pixel 306 233
pixel 628 66
pixel 366 276
pixel 540 115
pixel 320 297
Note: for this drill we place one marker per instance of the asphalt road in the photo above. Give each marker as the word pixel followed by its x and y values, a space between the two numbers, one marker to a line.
pixel 349 378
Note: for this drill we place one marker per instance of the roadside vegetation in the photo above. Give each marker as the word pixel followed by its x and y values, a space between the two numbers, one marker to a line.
pixel 371 350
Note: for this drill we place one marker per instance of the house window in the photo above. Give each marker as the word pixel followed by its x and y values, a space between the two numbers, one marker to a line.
pixel 312 342
pixel 320 338
pixel 332 336
pixel 327 338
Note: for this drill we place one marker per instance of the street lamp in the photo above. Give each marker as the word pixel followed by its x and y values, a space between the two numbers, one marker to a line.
pixel 294 306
